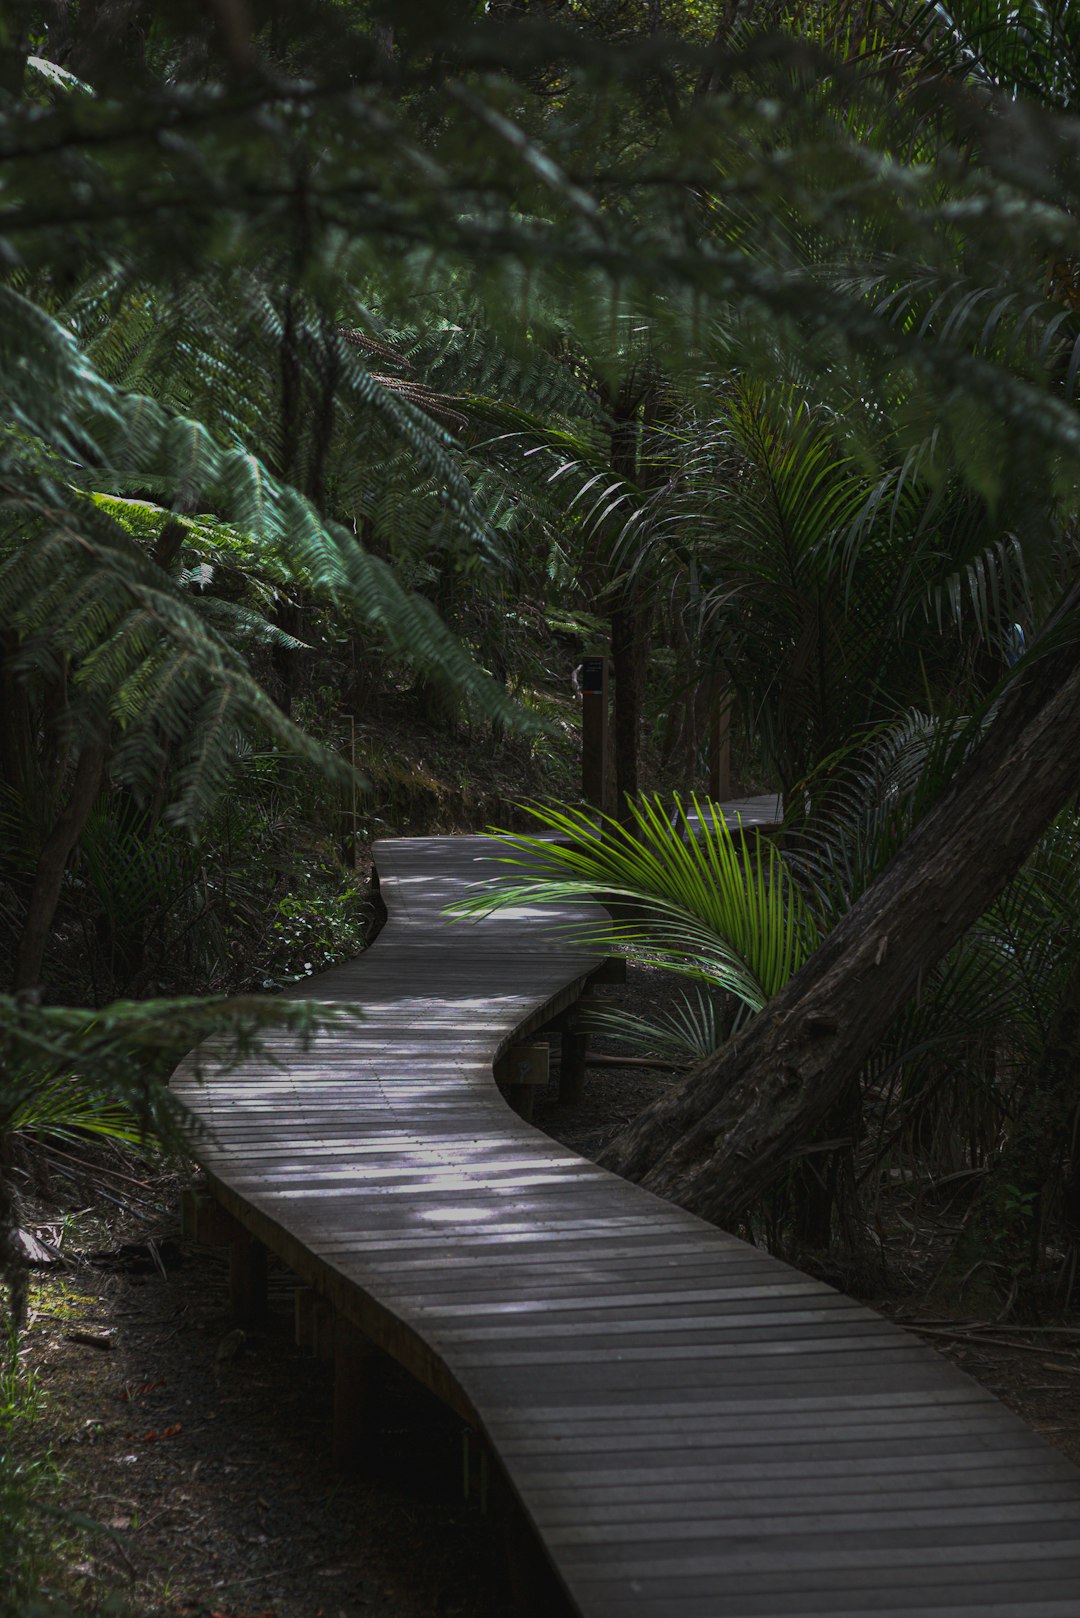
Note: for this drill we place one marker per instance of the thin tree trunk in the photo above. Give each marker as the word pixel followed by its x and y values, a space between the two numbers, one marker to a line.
pixel 288 613
pixel 629 657
pixel 720 1140
pixel 17 723
pixel 13 1272
pixel 45 893
pixel 630 612
pixel 15 47
pixel 170 541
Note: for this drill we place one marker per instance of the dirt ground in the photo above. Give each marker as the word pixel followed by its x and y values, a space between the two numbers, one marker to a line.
pixel 204 1452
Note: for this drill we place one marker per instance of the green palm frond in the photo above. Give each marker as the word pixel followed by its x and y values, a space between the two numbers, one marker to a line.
pixel 1027 49
pixel 710 903
pixel 67 1108
pixel 850 816
pixel 678 1036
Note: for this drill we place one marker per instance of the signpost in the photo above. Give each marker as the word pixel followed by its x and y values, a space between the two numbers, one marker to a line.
pixel 720 741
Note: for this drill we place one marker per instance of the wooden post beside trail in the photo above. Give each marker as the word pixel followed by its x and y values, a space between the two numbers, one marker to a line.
pixel 248 1297
pixel 594 681
pixel 203 1219
pixel 519 1072
pixel 313 1321
pixel 574 1049
pixel 358 1366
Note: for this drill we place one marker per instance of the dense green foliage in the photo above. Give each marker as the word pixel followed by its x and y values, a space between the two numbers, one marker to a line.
pixel 364 364
pixel 357 355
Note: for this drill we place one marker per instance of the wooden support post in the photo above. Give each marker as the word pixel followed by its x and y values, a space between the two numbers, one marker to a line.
pixel 203 1219
pixel 247 1278
pixel 574 1049
pixel 520 1072
pixel 594 731
pixel 313 1320
pixel 304 1319
pixel 574 1039
pixel 356 1379
pixel 322 1330
pixel 612 970
pixel 475 1470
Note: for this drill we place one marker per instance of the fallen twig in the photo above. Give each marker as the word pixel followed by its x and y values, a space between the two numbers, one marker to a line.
pixel 603 1059
pixel 290 1571
pixel 973 1326
pixel 976 1336
pixel 95 1168
pixel 92 1339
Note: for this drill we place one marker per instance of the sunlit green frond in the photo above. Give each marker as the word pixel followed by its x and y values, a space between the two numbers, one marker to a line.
pixel 713 904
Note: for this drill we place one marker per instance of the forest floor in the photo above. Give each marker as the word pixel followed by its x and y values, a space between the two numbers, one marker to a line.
pixel 203 1453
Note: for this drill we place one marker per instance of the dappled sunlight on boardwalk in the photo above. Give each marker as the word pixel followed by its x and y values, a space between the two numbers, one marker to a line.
pixel 694 1429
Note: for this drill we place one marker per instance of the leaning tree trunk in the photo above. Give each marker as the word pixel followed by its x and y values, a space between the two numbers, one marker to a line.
pixel 720 1140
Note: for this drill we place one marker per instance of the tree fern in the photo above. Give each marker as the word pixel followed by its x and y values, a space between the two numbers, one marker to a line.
pixel 73 583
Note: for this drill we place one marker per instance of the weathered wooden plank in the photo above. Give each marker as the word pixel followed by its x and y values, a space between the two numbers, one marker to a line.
pixel 917 1554
pixel 958 1390
pixel 731 1459
pixel 742 1502
pixel 943 1523
pixel 1012 1598
pixel 651 1436
pixel 678 1478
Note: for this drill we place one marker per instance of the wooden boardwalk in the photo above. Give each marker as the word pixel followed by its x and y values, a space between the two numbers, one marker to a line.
pixel 693 1429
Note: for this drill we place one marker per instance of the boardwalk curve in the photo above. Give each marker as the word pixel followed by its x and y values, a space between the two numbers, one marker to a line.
pixel 694 1429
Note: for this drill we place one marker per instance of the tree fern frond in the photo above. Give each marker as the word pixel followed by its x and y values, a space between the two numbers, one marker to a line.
pixel 80 577
pixel 111 1062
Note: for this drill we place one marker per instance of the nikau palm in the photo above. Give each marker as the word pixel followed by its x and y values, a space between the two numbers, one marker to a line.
pixel 709 903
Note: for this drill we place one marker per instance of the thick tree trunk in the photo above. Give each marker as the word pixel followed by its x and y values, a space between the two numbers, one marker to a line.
pixel 720 1140
pixel 104 42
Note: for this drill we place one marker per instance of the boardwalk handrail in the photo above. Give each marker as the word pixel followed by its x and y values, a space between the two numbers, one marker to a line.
pixel 694 1429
